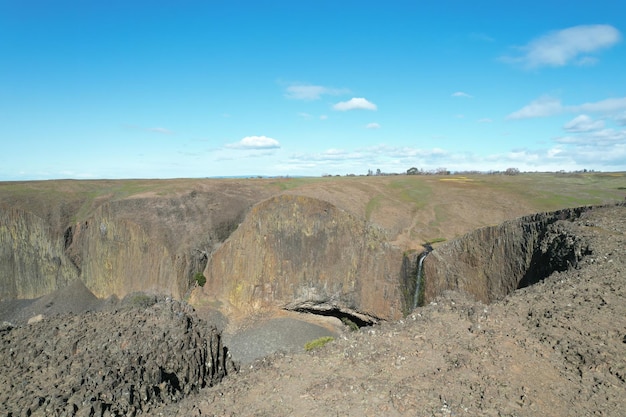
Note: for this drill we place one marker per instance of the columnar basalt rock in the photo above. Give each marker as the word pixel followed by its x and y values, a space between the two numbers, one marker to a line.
pixel 118 257
pixel 151 351
pixel 32 259
pixel 490 262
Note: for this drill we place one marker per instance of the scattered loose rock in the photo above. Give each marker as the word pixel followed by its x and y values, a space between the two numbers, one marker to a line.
pixel 153 351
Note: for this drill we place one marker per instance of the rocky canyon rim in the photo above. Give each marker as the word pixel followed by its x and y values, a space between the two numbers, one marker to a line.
pixel 381 202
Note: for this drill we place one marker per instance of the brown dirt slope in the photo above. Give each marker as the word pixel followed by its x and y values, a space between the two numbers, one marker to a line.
pixel 555 348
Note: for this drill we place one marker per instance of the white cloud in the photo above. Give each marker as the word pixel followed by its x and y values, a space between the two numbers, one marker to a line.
pixel 583 123
pixel 461 94
pixel 608 105
pixel 323 117
pixel 550 106
pixel 409 152
pixel 522 156
pixel 255 142
pixel 603 150
pixel 609 136
pixel 485 120
pixel 312 92
pixel 355 104
pixel 554 152
pixel 542 107
pixel 334 154
pixel 621 119
pixel 597 139
pixel 571 45
pixel 387 158
pixel 372 126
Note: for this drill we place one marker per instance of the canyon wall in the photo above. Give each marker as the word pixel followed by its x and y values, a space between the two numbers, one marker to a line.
pixel 32 258
pixel 302 253
pixel 150 243
pixel 117 256
pixel 260 248
pixel 490 262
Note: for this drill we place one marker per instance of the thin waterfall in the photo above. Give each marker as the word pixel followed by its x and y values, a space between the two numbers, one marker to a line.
pixel 419 276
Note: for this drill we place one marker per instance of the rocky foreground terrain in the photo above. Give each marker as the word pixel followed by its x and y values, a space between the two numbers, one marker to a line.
pixel 557 347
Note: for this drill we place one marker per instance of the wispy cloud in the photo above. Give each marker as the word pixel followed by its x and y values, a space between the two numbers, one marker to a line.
pixel 485 120
pixel 160 130
pixel 605 148
pixel 461 94
pixel 598 138
pixel 583 123
pixel 606 106
pixel 387 158
pixel 255 142
pixel 566 46
pixel 312 92
pixel 355 104
pixel 549 106
pixel 372 126
pixel 542 107
pixel 589 142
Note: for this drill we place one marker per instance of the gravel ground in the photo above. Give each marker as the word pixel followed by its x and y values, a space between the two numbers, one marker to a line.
pixel 283 334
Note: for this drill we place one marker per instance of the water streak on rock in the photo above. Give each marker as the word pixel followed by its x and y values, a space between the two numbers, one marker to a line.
pixel 419 277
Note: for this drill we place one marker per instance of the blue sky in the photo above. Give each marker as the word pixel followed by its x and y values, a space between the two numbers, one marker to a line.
pixel 162 89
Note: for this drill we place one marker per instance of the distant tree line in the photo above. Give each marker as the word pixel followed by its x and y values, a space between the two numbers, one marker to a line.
pixel 445 171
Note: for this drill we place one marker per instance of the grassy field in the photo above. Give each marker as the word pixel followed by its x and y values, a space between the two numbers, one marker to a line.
pixel 413 209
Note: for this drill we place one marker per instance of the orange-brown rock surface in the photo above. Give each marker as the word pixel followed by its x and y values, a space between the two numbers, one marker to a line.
pixel 299 252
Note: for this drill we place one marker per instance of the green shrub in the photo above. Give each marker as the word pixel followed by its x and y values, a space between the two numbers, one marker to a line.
pixel 351 325
pixel 435 240
pixel 200 278
pixel 139 300
pixel 317 343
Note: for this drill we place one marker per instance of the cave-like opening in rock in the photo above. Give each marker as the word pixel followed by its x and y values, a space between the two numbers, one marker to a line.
pixel 558 253
pixel 348 317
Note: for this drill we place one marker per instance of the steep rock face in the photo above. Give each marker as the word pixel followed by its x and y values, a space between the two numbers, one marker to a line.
pixel 151 244
pixel 32 260
pixel 298 252
pixel 491 262
pixel 117 257
pixel 139 243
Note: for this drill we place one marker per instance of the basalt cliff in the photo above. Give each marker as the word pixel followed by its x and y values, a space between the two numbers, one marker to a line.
pixel 342 248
